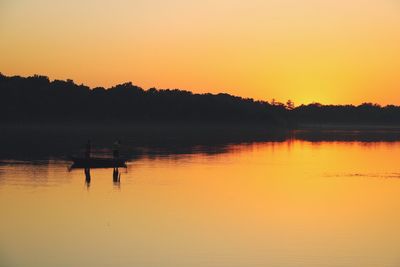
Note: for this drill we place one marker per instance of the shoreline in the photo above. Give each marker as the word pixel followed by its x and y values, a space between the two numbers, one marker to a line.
pixel 184 125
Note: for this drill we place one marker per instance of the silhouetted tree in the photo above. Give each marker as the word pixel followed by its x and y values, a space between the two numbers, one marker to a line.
pixel 290 105
pixel 37 99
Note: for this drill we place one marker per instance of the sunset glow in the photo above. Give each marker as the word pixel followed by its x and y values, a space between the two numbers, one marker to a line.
pixel 306 50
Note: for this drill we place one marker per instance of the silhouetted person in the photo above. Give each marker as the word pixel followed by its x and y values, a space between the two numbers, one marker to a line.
pixel 88 149
pixel 116 147
pixel 87 176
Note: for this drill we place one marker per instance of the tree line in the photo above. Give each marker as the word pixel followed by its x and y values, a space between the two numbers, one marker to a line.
pixel 37 99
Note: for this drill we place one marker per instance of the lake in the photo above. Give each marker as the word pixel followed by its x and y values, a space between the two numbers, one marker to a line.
pixel 287 203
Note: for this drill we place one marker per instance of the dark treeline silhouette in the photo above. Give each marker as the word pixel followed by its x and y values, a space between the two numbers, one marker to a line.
pixel 37 99
pixel 364 114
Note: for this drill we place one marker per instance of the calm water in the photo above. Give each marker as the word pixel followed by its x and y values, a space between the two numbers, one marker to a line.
pixel 292 203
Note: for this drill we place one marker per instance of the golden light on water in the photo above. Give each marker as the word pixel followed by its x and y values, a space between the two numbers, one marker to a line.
pixel 264 204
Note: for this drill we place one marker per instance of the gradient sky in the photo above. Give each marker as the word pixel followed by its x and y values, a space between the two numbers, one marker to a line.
pixel 342 51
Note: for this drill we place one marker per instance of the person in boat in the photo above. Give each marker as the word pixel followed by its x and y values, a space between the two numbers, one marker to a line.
pixel 88 149
pixel 116 147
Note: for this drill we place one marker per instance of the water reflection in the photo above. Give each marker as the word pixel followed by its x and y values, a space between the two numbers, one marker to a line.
pixel 87 177
pixel 62 141
pixel 38 144
pixel 292 203
pixel 116 178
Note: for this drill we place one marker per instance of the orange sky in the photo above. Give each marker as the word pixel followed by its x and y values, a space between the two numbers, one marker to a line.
pixel 306 50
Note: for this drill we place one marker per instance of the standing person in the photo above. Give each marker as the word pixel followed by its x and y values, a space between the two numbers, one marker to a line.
pixel 88 149
pixel 116 147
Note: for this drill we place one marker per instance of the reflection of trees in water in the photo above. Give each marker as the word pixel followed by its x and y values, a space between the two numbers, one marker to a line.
pixel 41 144
pixel 348 135
pixel 31 172
pixel 59 141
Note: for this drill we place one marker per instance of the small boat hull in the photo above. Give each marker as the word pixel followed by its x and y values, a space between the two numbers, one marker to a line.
pixel 97 162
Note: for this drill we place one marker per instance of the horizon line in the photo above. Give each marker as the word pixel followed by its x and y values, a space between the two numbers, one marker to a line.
pixel 273 100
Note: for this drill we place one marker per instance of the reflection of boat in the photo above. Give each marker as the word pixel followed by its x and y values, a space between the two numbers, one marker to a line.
pixel 97 162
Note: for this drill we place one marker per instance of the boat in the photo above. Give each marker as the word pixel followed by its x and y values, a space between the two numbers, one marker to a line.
pixel 81 162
